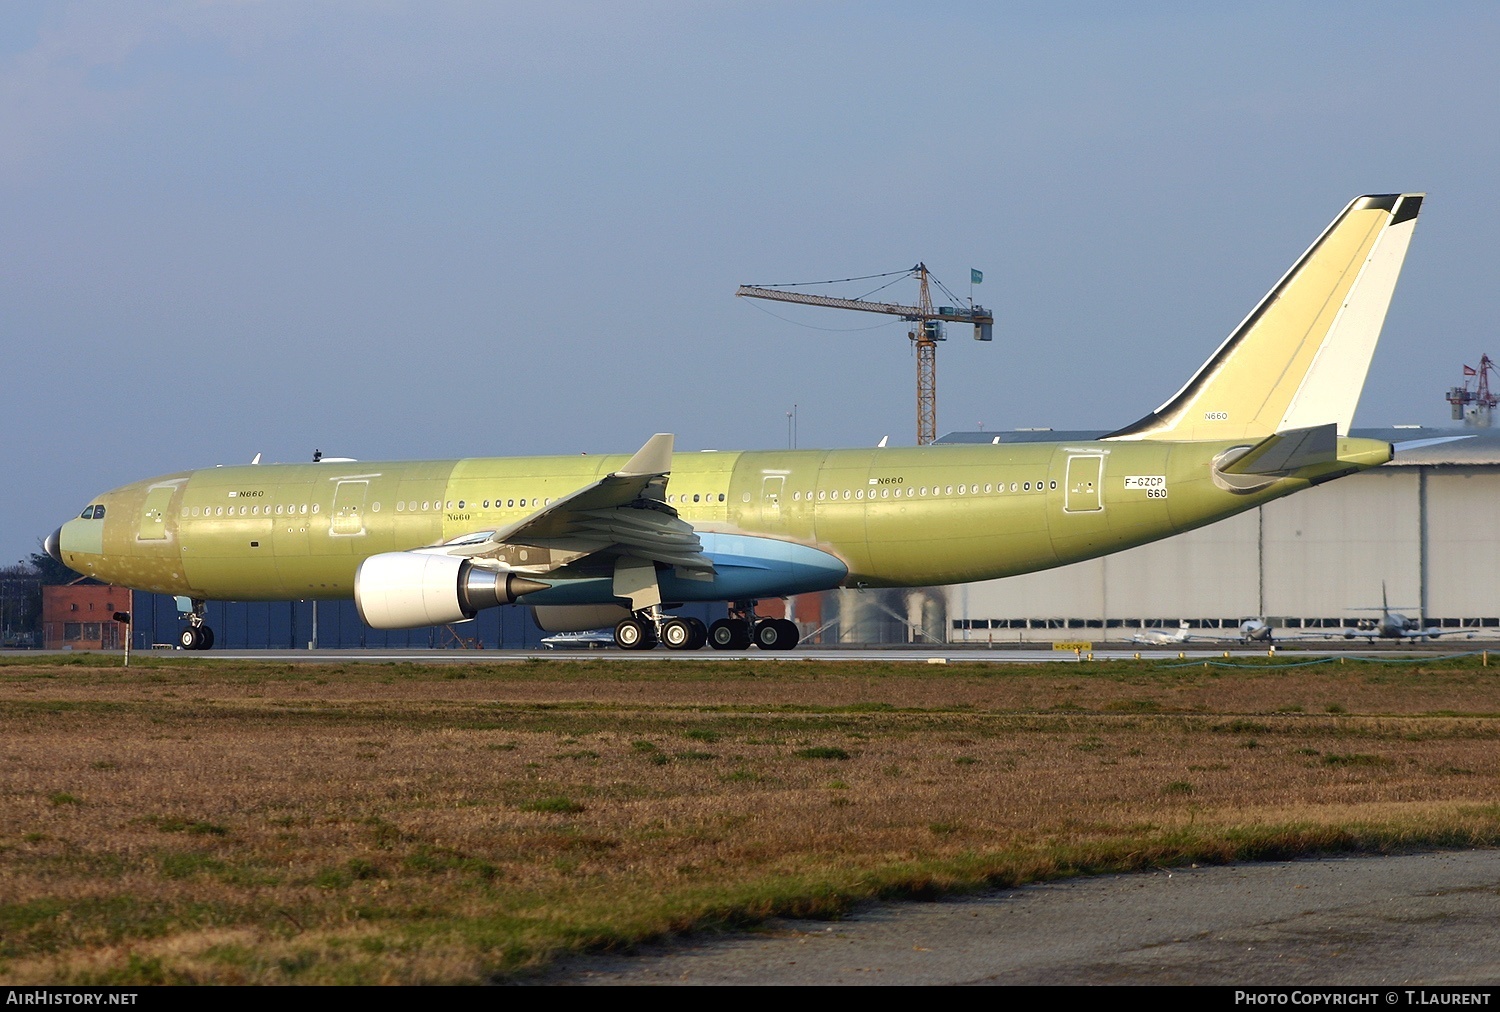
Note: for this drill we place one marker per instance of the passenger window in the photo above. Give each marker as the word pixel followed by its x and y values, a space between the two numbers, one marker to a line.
pixel 1051 484
pixel 722 497
pixel 1012 486
pixel 1027 486
pixel 315 507
pixel 511 503
pixel 461 503
pixel 695 498
pixel 400 505
pixel 304 509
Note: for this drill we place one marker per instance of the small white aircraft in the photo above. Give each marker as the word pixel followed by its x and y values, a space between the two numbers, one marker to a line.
pixel 586 639
pixel 1252 630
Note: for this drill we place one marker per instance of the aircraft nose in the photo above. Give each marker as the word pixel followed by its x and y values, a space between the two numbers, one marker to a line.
pixel 53 545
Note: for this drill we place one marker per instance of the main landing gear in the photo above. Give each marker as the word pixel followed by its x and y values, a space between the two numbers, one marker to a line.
pixel 197 635
pixel 739 631
pixel 644 630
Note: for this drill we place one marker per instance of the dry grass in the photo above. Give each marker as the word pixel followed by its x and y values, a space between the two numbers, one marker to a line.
pixel 228 822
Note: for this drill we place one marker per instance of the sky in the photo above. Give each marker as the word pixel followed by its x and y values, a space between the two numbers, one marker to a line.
pixel 401 230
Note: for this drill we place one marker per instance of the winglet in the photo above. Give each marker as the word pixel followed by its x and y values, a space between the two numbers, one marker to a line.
pixel 653 458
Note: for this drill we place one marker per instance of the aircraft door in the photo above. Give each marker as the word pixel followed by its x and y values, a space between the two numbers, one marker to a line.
pixel 1081 492
pixel 772 488
pixel 349 508
pixel 154 515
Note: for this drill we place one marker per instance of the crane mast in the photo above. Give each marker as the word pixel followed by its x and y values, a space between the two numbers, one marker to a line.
pixel 926 331
pixel 1475 407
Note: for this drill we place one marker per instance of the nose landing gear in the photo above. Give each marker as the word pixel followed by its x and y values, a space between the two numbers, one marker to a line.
pixel 198 635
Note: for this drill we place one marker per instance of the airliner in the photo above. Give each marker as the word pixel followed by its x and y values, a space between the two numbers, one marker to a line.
pixel 623 540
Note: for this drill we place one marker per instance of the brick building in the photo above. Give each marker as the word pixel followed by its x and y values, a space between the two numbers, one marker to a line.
pixel 80 616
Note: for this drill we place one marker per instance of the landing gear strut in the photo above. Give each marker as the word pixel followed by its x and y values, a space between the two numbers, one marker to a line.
pixel 197 635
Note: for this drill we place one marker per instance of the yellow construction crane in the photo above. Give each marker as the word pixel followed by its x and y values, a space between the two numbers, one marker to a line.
pixel 926 332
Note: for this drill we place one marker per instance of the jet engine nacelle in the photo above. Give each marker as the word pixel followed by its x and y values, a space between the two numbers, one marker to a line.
pixel 556 618
pixel 405 590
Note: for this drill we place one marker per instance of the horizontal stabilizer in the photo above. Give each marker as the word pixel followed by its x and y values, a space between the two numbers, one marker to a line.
pixel 1417 444
pixel 1288 451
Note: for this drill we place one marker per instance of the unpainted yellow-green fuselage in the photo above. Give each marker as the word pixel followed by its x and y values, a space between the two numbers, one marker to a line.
pixel 896 517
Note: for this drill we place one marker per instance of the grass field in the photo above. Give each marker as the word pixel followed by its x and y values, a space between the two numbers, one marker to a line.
pixel 219 821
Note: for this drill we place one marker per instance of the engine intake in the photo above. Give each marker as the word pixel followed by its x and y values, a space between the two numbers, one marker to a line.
pixel 406 590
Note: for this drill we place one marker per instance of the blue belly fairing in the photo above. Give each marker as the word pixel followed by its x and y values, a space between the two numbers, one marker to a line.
pixel 745 568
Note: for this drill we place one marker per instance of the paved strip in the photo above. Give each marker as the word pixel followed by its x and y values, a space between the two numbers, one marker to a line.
pixel 918 655
pixel 1409 919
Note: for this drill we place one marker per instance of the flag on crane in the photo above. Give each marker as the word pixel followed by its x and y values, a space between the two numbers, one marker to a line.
pixel 1470 371
pixel 975 277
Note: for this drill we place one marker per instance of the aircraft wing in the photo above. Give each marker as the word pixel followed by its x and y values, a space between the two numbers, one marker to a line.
pixel 625 513
pixel 1433 632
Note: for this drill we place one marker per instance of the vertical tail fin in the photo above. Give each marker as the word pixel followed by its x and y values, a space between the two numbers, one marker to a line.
pixel 1299 360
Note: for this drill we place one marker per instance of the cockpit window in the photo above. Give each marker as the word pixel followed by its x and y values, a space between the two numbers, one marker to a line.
pixel 87 514
pixel 98 512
